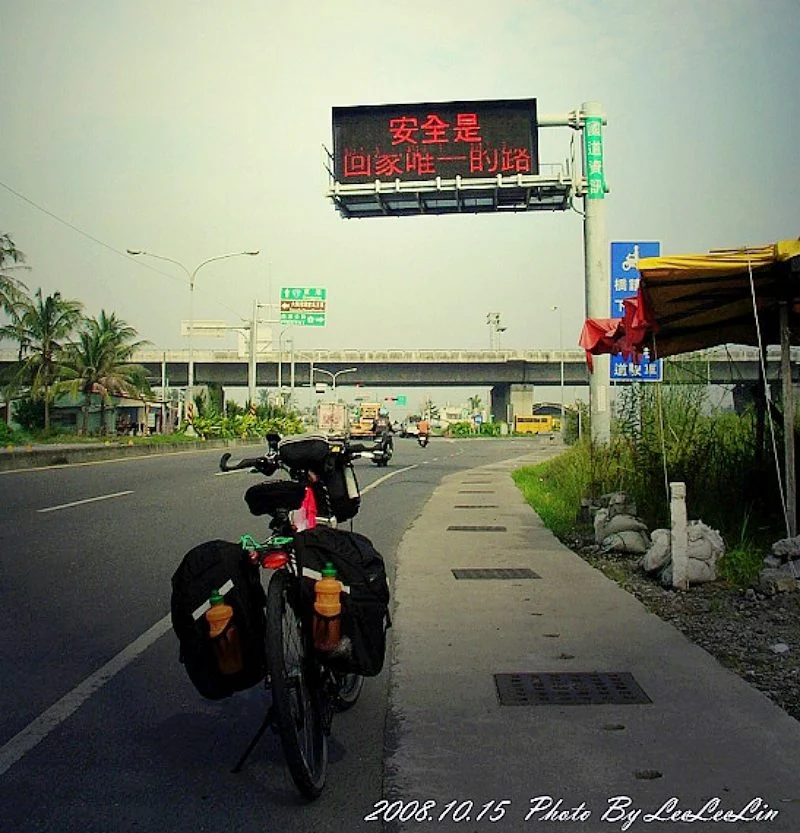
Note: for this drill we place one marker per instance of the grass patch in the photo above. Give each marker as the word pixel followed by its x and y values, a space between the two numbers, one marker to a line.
pixel 741 566
pixel 554 490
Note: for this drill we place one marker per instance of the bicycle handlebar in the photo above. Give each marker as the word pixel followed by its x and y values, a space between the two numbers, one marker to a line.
pixel 267 464
pixel 270 462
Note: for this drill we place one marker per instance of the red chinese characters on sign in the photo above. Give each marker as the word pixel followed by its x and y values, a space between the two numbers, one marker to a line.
pixel 419 145
pixel 500 160
pixel 434 130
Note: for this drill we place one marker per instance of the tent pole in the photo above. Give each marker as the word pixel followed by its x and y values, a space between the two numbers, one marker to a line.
pixel 788 422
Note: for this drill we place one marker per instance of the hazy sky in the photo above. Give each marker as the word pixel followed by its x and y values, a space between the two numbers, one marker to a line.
pixel 193 129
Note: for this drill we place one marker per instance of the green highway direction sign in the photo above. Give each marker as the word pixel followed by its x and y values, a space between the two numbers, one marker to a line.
pixel 304 305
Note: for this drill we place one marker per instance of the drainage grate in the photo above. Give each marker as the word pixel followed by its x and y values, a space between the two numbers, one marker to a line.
pixel 476 529
pixel 476 492
pixel 496 572
pixel 569 689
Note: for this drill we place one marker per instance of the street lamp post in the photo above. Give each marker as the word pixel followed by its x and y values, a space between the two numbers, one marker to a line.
pixel 191 275
pixel 557 309
pixel 495 328
pixel 280 360
pixel 334 375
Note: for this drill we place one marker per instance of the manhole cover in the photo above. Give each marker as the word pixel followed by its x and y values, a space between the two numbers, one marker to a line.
pixel 569 689
pixel 476 529
pixel 496 572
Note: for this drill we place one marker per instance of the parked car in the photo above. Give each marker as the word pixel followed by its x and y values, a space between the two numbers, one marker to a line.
pixel 408 428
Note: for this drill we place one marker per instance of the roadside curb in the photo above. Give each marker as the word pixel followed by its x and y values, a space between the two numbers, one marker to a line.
pixel 43 456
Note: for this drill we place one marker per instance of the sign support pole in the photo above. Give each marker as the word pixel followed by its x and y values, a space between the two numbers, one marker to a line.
pixel 595 251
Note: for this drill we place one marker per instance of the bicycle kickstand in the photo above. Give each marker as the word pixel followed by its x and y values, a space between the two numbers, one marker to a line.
pixel 269 720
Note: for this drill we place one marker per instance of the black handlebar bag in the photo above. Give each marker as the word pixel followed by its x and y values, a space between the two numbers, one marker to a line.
pixel 365 602
pixel 336 487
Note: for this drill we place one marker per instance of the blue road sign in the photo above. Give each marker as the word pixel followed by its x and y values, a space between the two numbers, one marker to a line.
pixel 624 284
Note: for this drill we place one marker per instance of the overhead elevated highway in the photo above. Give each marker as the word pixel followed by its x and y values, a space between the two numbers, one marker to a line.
pixel 511 374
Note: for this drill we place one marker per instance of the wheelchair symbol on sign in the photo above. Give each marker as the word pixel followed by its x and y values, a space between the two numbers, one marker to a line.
pixel 630 260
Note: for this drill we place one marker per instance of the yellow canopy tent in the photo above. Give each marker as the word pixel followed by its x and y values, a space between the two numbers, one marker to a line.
pixel 693 302
pixel 733 296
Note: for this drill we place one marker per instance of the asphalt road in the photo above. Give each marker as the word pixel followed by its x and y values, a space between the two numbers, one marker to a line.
pixel 99 727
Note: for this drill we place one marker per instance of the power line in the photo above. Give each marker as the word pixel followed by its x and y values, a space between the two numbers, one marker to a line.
pixel 100 242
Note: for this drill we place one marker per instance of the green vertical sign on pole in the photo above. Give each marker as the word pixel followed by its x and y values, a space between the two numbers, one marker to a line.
pixel 593 141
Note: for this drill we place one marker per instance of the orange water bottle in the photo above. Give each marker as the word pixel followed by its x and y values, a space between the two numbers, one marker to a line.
pixel 327 610
pixel 224 636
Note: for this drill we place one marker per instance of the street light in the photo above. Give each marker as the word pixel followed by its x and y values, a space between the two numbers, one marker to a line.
pixel 557 309
pixel 191 275
pixel 334 375
pixel 495 328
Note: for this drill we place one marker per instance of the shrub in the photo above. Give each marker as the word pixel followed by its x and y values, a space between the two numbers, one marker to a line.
pixel 29 413
pixel 461 429
pixel 7 435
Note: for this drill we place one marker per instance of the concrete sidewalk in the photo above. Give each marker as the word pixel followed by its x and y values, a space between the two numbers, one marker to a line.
pixel 706 744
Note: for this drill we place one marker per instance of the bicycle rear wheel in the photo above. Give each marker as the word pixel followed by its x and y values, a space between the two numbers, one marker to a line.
pixel 348 692
pixel 296 697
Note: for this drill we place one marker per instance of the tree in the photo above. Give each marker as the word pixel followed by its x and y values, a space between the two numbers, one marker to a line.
pixel 42 327
pixel 12 290
pixel 99 362
pixel 475 404
pixel 429 409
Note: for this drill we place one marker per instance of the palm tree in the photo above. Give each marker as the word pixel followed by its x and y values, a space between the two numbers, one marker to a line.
pixel 12 291
pixel 42 327
pixel 99 362
pixel 475 404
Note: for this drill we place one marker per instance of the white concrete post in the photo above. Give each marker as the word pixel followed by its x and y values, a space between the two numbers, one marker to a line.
pixel 679 541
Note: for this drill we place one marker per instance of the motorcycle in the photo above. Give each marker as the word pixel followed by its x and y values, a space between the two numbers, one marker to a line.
pixel 383 449
pixel 422 439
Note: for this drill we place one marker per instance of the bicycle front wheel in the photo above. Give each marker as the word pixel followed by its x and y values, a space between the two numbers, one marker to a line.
pixel 296 697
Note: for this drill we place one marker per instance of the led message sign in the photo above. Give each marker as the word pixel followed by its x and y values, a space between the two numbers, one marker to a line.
pixel 471 139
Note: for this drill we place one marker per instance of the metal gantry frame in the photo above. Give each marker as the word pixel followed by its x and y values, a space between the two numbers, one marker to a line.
pixel 555 190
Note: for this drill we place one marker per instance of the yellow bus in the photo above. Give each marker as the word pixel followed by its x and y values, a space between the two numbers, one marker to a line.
pixel 536 424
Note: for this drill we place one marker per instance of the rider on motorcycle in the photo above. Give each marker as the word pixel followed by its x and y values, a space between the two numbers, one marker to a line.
pixel 424 428
pixel 382 423
pixel 382 429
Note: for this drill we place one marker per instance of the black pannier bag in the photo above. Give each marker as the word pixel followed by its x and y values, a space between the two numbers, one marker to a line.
pixel 336 492
pixel 365 608
pixel 218 565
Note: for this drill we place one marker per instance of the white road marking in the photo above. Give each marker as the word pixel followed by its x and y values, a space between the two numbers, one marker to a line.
pixel 386 477
pixel 36 731
pixel 81 502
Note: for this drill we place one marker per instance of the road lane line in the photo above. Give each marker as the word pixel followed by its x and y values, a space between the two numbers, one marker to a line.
pixel 386 477
pixel 81 502
pixel 37 730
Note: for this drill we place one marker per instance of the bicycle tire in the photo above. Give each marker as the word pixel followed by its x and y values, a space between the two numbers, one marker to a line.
pixel 349 691
pixel 297 703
